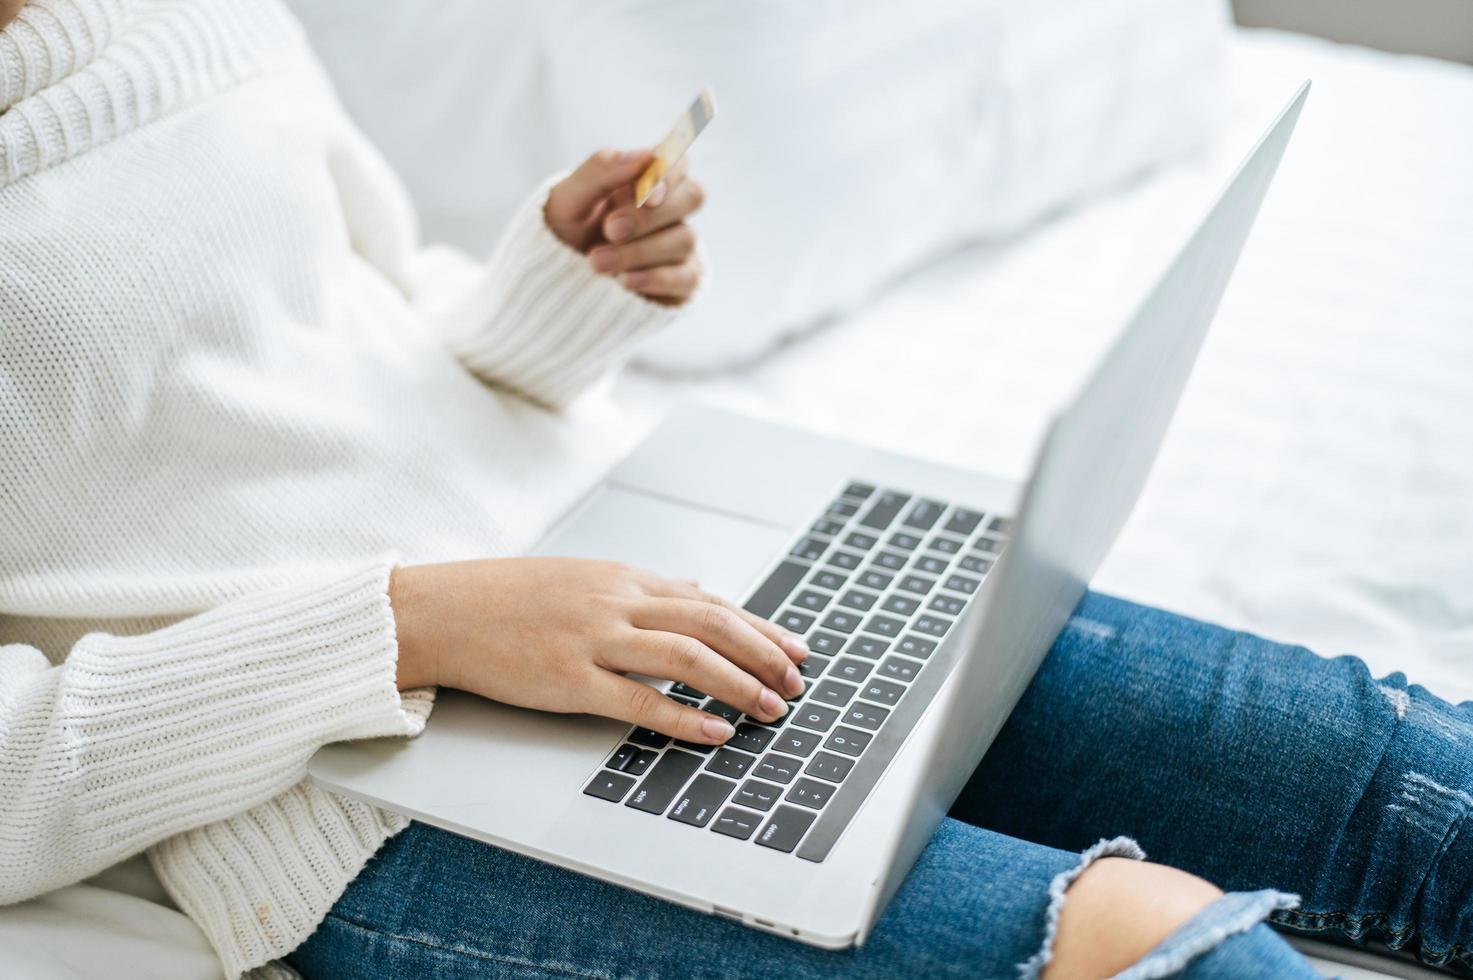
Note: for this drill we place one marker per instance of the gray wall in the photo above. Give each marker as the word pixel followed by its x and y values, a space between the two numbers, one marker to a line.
pixel 1441 28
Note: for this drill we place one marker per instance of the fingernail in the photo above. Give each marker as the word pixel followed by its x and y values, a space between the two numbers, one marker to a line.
pixel 603 259
pixel 657 196
pixel 771 704
pixel 619 228
pixel 795 647
pixel 717 728
pixel 792 682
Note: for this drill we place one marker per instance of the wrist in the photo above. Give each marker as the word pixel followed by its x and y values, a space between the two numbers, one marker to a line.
pixel 415 664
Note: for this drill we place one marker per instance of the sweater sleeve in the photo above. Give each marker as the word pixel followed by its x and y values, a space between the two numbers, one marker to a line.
pixel 134 739
pixel 536 319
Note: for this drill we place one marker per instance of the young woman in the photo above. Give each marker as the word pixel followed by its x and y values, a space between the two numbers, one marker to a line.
pixel 264 461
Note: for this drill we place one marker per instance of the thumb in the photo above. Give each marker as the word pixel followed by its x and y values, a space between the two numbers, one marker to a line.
pixel 600 175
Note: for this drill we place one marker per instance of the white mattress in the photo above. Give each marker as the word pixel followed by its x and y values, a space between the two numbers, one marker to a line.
pixel 1317 482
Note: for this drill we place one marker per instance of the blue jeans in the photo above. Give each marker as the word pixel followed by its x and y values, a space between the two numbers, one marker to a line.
pixel 1269 771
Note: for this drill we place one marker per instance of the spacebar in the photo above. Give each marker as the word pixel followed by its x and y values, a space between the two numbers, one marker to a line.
pixel 779 586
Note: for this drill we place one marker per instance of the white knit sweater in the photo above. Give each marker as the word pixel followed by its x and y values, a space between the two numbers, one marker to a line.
pixel 231 387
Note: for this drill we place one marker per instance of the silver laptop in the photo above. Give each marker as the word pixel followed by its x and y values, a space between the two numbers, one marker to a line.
pixel 929 596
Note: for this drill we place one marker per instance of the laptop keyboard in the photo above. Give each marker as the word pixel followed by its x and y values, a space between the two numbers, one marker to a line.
pixel 874 585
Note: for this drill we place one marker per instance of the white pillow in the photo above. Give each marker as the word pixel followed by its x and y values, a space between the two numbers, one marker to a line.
pixel 854 138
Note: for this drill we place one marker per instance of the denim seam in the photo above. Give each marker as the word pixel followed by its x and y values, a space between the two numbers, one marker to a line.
pixel 1394 938
pixel 466 951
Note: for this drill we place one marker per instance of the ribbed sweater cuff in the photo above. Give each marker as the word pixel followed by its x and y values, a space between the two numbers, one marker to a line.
pixel 215 714
pixel 541 321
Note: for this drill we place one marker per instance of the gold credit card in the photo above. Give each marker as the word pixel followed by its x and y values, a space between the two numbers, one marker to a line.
pixel 674 145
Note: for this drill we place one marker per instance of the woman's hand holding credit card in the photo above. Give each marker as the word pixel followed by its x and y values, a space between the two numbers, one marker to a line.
pixel 627 211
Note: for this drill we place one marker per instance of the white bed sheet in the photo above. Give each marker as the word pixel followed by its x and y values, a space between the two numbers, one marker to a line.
pixel 1317 483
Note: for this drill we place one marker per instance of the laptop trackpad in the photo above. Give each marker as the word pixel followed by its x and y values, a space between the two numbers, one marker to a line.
pixel 678 540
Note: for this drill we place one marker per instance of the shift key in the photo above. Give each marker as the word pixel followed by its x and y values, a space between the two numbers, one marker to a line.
pixel 699 803
pixel 664 781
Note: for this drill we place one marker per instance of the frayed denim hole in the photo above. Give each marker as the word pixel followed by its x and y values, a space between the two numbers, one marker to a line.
pixel 1057 889
pixel 1231 915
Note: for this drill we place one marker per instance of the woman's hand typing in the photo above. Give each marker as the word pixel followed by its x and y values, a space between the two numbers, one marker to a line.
pixel 558 634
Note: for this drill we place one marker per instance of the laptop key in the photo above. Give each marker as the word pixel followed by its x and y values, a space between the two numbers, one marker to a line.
pixel 730 763
pixel 812 601
pixel 916 646
pixel 901 605
pixel 850 669
pixel 990 545
pixel 812 666
pixel 948 604
pixel 882 692
pixel 778 586
pixel 686 691
pixel 963 521
pixel 885 625
pixel 794 621
pixel 857 599
pixel 918 584
pixel 844 559
pixel 826 527
pixel 924 514
pixel 695 746
pixel 809 549
pixel 850 741
pixel 842 622
pixel 867 646
pixel 737 823
pixel 872 579
pixel 641 763
pixel 866 716
pixel 622 756
pixel 899 669
pixel 786 827
pixel 609 786
pixel 821 642
pixel 860 490
pixel 890 560
pixel 842 508
pixel 1000 524
pixel 649 738
pixel 795 741
pixel 810 793
pixel 834 693
pixel 930 564
pixel 758 795
pixel 860 540
pixel 723 710
pixel 751 738
pixel 828 766
pixel 975 563
pixel 932 625
pixel 904 541
pixel 688 702
pixel 664 781
pixel 826 578
pixel 778 768
pixel 701 799
pixel 945 545
pixel 815 717
pixel 884 509
pixel 961 583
